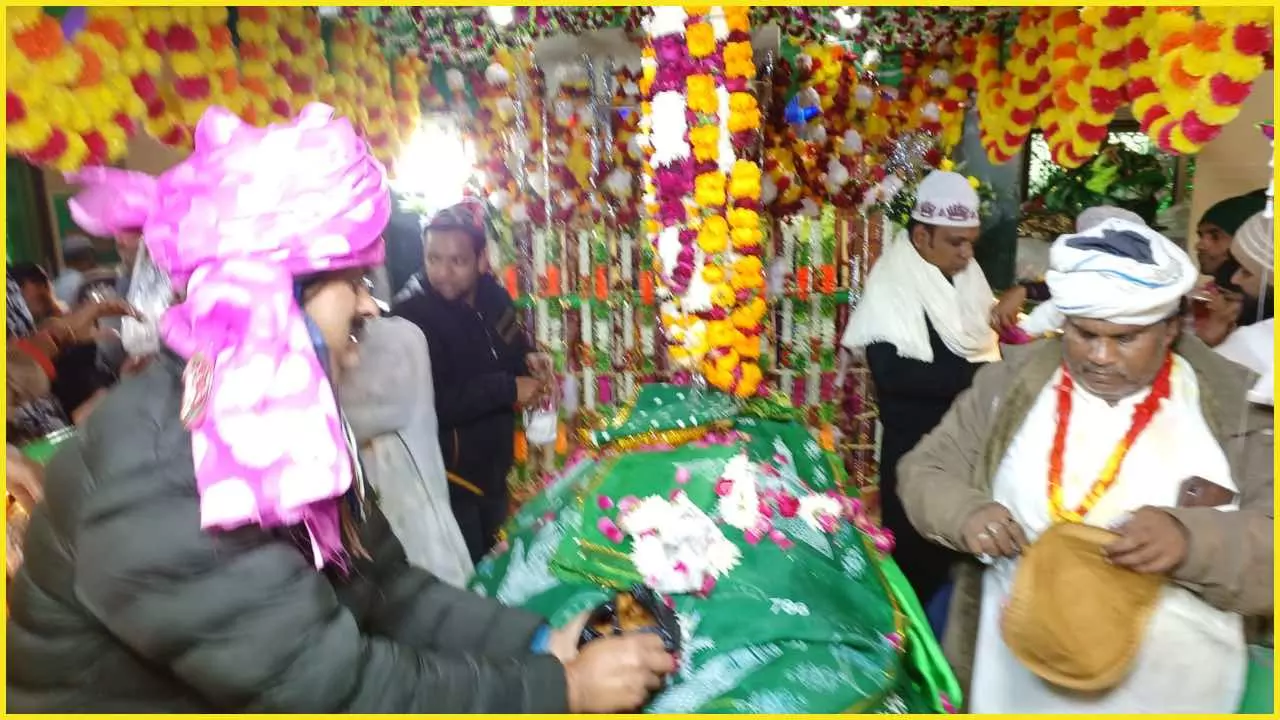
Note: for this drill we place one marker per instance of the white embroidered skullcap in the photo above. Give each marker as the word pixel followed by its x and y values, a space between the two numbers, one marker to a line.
pixel 1096 215
pixel 1118 271
pixel 946 199
pixel 1254 245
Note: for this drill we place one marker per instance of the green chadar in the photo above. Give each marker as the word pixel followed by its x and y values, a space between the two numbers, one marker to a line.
pixel 810 620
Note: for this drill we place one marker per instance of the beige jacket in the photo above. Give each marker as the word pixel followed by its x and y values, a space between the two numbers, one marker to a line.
pixel 948 476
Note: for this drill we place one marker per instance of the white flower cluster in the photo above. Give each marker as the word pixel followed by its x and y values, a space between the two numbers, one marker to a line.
pixel 740 504
pixel 676 547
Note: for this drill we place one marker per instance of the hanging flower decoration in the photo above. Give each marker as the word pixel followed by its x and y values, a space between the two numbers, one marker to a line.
pixel 409 72
pixel 1090 57
pixel 1009 101
pixel 71 103
pixel 1206 71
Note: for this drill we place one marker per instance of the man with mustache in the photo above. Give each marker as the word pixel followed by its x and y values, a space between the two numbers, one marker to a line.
pixel 923 324
pixel 1123 423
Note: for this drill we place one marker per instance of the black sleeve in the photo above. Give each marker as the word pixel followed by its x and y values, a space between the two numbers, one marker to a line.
pixel 412 606
pixel 946 377
pixel 244 619
pixel 458 402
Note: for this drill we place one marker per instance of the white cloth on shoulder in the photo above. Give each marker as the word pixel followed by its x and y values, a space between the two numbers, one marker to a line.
pixel 1253 346
pixel 903 289
pixel 1118 271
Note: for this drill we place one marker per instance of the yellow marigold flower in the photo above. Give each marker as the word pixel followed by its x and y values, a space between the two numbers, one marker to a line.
pixel 728 362
pixel 711 243
pixel 744 218
pixel 747 346
pixel 697 10
pixel 750 382
pixel 737 18
pixel 701 40
pixel 713 274
pixel 720 333
pixel 723 296
pixel 974 182
pixel 704 140
pixel 744 180
pixel 737 60
pixel 702 94
pixel 746 238
pixel 744 112
pixel 709 189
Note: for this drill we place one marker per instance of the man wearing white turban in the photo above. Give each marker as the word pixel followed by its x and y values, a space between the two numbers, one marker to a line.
pixel 922 322
pixel 1123 423
pixel 1008 311
pixel 1138 267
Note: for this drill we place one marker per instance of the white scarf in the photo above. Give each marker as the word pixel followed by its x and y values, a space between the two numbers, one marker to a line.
pixel 903 289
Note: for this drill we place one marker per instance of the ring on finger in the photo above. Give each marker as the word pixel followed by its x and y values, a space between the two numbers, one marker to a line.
pixel 984 536
pixel 994 528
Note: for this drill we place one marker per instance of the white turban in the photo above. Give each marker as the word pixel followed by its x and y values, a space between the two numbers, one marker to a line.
pixel 1118 271
pixel 946 199
pixel 1094 216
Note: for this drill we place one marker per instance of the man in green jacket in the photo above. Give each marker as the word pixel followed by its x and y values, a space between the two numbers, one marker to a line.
pixel 1123 423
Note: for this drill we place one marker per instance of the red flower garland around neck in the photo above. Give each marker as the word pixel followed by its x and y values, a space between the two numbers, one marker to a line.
pixel 1142 416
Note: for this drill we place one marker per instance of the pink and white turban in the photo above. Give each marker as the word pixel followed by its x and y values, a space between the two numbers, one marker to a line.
pixel 232 225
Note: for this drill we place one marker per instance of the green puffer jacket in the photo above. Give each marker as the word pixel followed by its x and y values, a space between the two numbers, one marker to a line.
pixel 125 605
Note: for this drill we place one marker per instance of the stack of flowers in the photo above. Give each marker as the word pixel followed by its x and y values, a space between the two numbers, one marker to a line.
pixel 254 26
pixel 1009 102
pixel 703 194
pixel 676 547
pixel 409 71
pixel 72 103
pixel 1206 71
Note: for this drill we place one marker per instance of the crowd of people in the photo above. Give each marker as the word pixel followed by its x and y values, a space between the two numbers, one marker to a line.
pixel 280 510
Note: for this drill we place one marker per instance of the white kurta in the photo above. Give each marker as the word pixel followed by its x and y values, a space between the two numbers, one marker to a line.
pixel 1193 657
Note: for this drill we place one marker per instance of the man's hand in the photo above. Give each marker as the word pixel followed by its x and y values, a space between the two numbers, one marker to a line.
pixel 1220 318
pixel 81 323
pixel 23 478
pixel 540 365
pixel 992 531
pixel 1151 541
pixel 563 641
pixel 617 674
pixel 529 391
pixel 1005 313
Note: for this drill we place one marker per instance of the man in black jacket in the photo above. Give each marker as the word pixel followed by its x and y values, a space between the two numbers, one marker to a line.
pixel 170 568
pixel 483 368
pixel 922 322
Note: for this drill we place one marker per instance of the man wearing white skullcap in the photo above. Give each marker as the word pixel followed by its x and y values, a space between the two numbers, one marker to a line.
pixel 1123 423
pixel 922 321
pixel 1253 346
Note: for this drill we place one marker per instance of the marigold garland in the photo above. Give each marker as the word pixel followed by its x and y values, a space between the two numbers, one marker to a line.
pixel 1142 416
pixel 1009 102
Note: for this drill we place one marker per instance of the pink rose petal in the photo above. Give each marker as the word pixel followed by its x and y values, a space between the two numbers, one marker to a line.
pixel 628 503
pixel 681 568
pixel 780 539
pixel 765 509
pixel 708 584
pixel 682 475
pixel 884 542
pixel 752 536
pixel 604 502
pixel 723 487
pixel 827 523
pixel 609 529
pixel 788 505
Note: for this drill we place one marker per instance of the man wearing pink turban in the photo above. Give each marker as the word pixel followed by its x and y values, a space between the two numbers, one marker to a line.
pixel 208 543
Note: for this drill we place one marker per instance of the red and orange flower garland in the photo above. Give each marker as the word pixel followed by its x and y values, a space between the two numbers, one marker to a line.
pixel 1142 416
